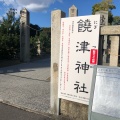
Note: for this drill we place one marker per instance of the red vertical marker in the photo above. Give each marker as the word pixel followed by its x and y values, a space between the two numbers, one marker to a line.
pixel 93 56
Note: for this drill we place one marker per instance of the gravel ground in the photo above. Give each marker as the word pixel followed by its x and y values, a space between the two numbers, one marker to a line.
pixel 27 85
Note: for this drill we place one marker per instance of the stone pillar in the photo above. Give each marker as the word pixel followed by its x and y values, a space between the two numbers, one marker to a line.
pixel 55 50
pixel 103 22
pixel 73 11
pixel 114 50
pixel 103 17
pixel 24 36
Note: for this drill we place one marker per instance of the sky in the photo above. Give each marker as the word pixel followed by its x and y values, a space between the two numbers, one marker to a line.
pixel 40 10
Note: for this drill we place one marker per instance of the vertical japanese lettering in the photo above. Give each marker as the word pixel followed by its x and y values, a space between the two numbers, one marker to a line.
pixel 80 88
pixel 84 25
pixel 84 67
pixel 83 46
pixel 102 20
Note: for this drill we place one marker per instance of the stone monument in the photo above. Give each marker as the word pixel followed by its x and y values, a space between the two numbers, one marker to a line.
pixel 24 36
pixel 73 11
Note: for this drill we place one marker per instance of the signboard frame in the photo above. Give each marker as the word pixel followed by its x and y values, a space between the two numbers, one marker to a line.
pixel 95 115
pixel 79 47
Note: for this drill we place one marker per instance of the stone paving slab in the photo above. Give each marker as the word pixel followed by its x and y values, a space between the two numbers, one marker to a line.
pixel 26 85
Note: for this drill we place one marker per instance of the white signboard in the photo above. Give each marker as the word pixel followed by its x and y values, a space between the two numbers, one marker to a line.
pixel 78 54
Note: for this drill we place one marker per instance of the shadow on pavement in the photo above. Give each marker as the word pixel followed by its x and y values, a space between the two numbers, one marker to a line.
pixel 8 112
pixel 26 67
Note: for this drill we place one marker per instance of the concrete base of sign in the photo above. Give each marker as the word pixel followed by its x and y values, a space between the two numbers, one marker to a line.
pixel 75 111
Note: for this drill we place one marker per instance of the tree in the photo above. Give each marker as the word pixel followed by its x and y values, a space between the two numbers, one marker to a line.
pixel 45 40
pixel 116 20
pixel 34 38
pixel 40 34
pixel 105 5
pixel 33 45
pixel 9 35
pixel 34 29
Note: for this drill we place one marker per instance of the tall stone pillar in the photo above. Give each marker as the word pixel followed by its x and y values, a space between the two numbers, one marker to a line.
pixel 73 11
pixel 103 22
pixel 24 36
pixel 103 17
pixel 55 50
pixel 114 50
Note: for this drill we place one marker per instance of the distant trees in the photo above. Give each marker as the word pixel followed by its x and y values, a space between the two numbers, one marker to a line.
pixel 34 38
pixel 105 5
pixel 42 35
pixel 33 29
pixel 116 20
pixel 9 36
pixel 45 39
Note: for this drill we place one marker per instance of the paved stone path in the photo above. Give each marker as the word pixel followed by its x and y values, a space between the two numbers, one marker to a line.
pixel 27 85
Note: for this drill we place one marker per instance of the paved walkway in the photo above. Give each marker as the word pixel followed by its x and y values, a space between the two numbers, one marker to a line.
pixel 12 113
pixel 27 85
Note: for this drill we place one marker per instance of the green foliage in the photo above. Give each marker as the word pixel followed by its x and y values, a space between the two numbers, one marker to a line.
pixel 105 5
pixel 43 36
pixel 9 36
pixel 116 20
pixel 33 45
pixel 34 38
pixel 45 40
pixel 110 17
pixel 33 29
